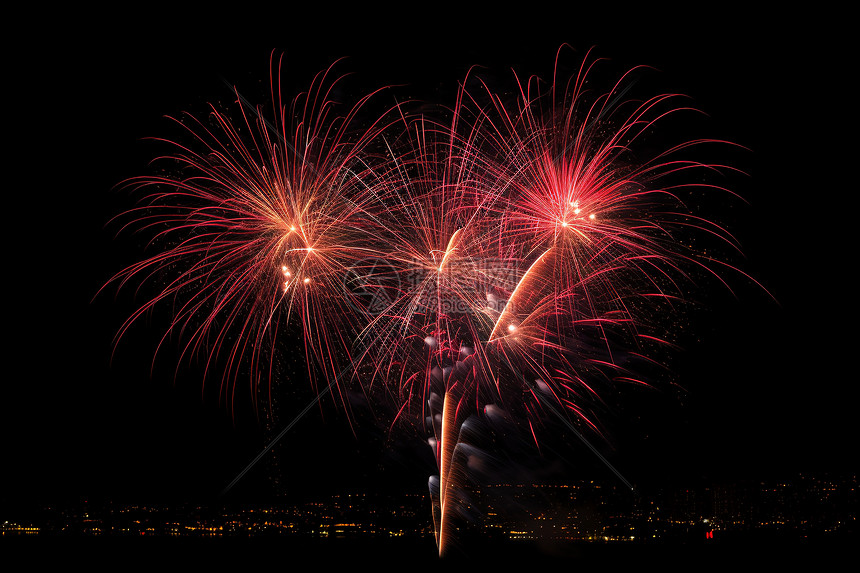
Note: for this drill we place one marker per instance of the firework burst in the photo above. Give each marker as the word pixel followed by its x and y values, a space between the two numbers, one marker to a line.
pixel 256 223
pixel 543 243
pixel 500 261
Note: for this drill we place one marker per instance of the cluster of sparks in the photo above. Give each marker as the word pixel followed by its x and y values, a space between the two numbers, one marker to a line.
pixel 497 260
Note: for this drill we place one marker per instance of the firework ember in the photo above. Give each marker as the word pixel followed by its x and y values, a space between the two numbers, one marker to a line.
pixel 453 267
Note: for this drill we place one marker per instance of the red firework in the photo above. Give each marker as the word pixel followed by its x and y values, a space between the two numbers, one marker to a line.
pixel 511 252
pixel 601 228
pixel 540 243
pixel 522 228
pixel 258 224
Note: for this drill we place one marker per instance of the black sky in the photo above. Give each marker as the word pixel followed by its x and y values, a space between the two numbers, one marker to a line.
pixel 771 385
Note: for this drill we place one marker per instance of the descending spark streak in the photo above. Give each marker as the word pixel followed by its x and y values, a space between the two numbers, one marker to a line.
pixel 446 454
pixel 277 438
pixel 527 283
pixel 452 245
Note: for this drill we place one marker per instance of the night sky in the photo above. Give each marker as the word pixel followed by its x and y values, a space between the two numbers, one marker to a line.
pixel 770 384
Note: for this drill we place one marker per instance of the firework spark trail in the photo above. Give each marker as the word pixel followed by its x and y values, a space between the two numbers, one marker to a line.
pixel 280 435
pixel 517 241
